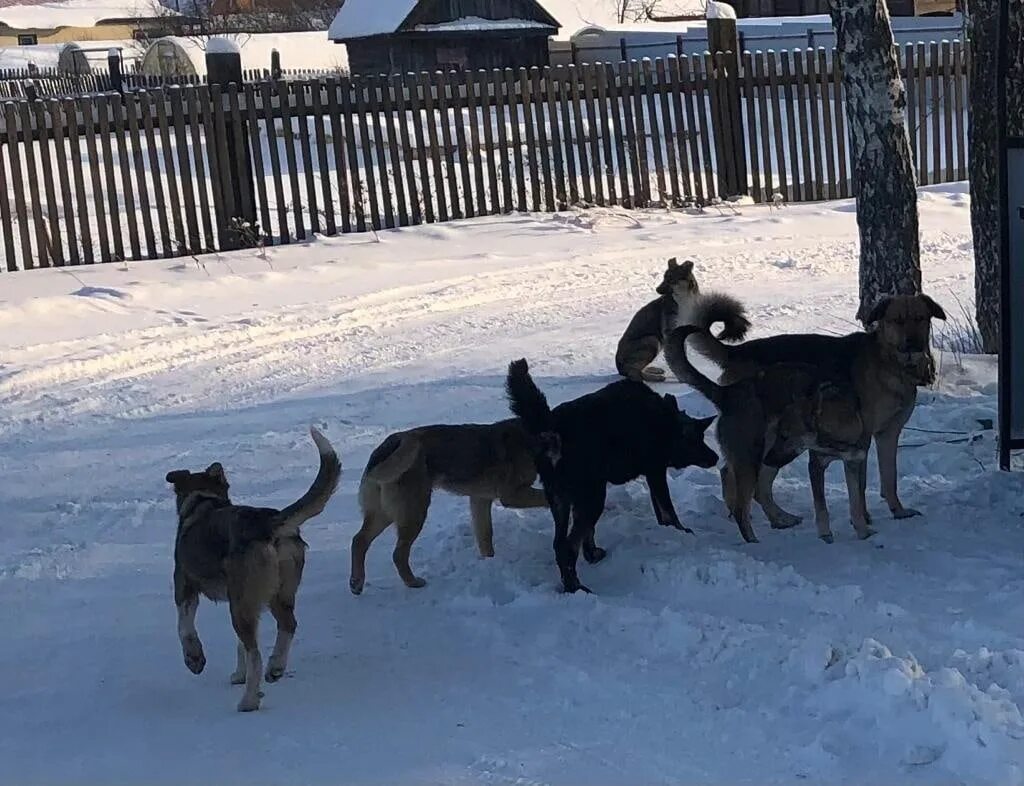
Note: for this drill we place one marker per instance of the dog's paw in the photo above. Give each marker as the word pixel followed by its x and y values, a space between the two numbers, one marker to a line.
pixel 683 528
pixel 866 533
pixel 195 660
pixel 416 583
pixel 571 590
pixel 784 520
pixel 274 673
pixel 827 537
pixel 356 585
pixel 249 704
pixel 595 555
pixel 905 513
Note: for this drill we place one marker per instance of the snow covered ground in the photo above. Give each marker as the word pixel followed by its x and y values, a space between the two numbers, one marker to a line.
pixel 698 660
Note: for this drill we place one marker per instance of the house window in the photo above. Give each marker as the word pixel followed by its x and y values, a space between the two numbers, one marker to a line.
pixel 452 57
pixel 29 39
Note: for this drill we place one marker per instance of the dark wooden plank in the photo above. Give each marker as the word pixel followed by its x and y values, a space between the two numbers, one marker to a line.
pixel 799 159
pixel 721 129
pixel 959 113
pixel 380 149
pixel 503 125
pixel 675 92
pixel 461 152
pixel 10 255
pixel 56 114
pixel 936 113
pixel 132 111
pixel 434 148
pixel 554 131
pixel 686 90
pixel 806 142
pixel 419 118
pixel 32 181
pixel 543 146
pixel 643 131
pixel 607 131
pixel 252 123
pixel 561 77
pixel 274 154
pixel 580 136
pixel 301 117
pixel 176 98
pixel 164 124
pixel 147 105
pixel 910 85
pixel 617 137
pixel 473 155
pixel 448 147
pixel 128 189
pixel 669 131
pixel 783 169
pixel 529 138
pixel 760 91
pixel 825 95
pixel 750 126
pixel 54 227
pixel 388 109
pixel 841 132
pixel 338 148
pixel 702 99
pixel 815 129
pixel 113 204
pixel 947 109
pixel 291 158
pixel 220 166
pixel 596 130
pixel 655 127
pixel 78 177
pixel 512 97
pixel 490 111
pixel 354 168
pixel 924 177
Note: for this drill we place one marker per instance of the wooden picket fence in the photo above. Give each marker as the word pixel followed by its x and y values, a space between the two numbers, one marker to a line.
pixel 183 170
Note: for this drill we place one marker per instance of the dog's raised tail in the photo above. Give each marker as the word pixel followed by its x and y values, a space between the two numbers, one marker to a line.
pixel 315 500
pixel 526 400
pixel 675 356
pixel 718 307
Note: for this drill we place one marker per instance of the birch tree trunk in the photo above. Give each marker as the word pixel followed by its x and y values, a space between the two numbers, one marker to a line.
pixel 883 172
pixel 983 161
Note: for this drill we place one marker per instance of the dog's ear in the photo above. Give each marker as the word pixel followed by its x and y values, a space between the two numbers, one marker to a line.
pixel 673 263
pixel 933 308
pixel 216 471
pixel 662 288
pixel 671 403
pixel 687 267
pixel 878 311
pixel 176 475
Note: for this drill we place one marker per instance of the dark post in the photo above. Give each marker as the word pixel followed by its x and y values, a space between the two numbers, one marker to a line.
pixel 679 46
pixel 275 64
pixel 223 67
pixel 114 69
pixel 575 51
pixel 622 50
pixel 30 90
pixel 724 88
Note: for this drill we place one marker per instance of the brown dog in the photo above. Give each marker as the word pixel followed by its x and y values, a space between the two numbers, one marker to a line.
pixel 250 557
pixel 872 377
pixel 483 462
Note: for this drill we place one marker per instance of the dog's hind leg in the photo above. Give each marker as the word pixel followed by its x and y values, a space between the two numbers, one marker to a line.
pixel 585 515
pixel 817 463
pixel 238 675
pixel 728 488
pixel 374 523
pixel 856 480
pixel 409 527
pixel 779 517
pixel 524 497
pixel 565 554
pixel 282 606
pixel 483 526
pixel 745 478
pixel 186 598
pixel 246 623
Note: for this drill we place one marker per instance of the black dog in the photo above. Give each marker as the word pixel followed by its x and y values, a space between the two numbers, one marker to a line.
pixel 613 435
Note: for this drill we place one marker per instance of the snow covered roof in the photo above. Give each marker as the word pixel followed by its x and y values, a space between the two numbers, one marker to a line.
pixel 26 14
pixel 478 23
pixel 363 18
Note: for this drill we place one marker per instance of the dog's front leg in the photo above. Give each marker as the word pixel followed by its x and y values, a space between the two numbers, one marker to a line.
pixel 856 482
pixel 661 499
pixel 886 444
pixel 817 463
pixel 186 597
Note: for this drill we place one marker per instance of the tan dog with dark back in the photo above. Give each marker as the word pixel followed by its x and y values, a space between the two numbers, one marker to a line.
pixel 251 557
pixel 859 386
pixel 483 462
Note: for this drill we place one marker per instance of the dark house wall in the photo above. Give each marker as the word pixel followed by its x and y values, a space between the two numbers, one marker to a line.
pixel 433 11
pixel 401 54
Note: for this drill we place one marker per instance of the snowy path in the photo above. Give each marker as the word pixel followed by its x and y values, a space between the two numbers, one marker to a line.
pixel 699 660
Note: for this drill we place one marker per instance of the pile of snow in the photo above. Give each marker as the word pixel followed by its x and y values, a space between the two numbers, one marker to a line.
pixel 78 13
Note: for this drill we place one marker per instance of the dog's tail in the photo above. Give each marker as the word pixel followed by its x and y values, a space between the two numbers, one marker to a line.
pixel 530 405
pixel 675 356
pixel 393 458
pixel 719 307
pixel 313 501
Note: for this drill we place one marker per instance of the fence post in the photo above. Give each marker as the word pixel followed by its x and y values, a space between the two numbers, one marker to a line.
pixel 575 51
pixel 622 50
pixel 114 69
pixel 679 46
pixel 224 66
pixel 30 90
pixel 724 90
pixel 275 64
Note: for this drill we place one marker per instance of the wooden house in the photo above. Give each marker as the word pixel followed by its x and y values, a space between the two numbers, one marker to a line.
pixel 401 36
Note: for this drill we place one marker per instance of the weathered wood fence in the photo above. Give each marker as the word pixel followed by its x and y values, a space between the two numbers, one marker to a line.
pixel 184 170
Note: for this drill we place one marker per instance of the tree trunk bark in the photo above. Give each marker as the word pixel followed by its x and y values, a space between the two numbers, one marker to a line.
pixel 883 172
pixel 983 161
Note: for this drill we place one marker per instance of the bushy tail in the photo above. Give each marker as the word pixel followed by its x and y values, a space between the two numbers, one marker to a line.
pixel 675 356
pixel 718 307
pixel 313 501
pixel 526 401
